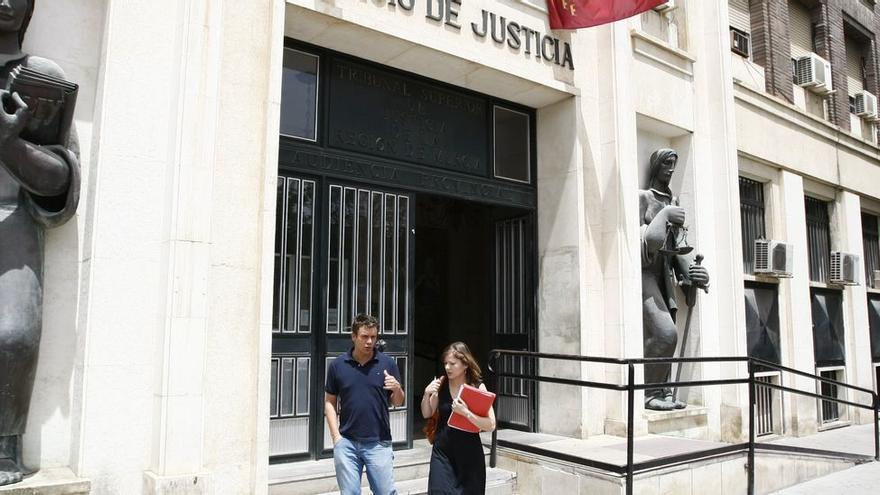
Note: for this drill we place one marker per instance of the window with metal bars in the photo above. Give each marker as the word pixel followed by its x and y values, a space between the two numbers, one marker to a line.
pixel 871 245
pixel 818 238
pixel 751 213
pixel 831 411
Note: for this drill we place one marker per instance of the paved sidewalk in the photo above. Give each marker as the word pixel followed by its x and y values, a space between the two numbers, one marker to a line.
pixel 860 480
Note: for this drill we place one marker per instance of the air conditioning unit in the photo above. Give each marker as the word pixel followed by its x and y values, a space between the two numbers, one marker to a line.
pixel 814 73
pixel 739 42
pixel 844 268
pixel 866 105
pixel 665 7
pixel 774 258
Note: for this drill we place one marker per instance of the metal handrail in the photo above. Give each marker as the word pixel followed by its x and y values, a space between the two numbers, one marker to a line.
pixel 631 387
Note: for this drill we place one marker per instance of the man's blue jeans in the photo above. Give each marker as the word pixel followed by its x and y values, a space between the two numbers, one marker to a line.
pixel 351 457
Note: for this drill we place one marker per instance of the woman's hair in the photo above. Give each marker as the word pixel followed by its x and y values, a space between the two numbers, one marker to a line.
pixel 460 351
pixel 27 20
pixel 657 158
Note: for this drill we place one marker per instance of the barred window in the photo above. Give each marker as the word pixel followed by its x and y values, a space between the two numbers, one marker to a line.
pixel 871 244
pixel 818 238
pixel 751 212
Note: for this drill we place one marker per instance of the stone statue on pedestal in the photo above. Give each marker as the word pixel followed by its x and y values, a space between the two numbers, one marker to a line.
pixel 665 264
pixel 39 188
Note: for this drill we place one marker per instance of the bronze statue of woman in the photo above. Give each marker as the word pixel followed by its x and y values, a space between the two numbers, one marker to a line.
pixel 662 268
pixel 39 188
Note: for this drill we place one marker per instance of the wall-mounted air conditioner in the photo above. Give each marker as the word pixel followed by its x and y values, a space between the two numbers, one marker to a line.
pixel 866 105
pixel 773 258
pixel 739 42
pixel 665 7
pixel 844 268
pixel 813 73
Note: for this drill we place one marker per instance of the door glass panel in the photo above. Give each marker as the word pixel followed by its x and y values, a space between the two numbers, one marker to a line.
pixel 273 394
pixel 348 258
pixel 388 323
pixel 299 95
pixel 303 385
pixel 286 386
pixel 512 148
pixel 402 263
pixel 291 239
pixel 306 249
pixel 363 249
pixel 279 247
pixel 334 273
pixel 376 257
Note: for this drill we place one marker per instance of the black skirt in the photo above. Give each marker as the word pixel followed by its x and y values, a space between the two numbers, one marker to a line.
pixel 458 466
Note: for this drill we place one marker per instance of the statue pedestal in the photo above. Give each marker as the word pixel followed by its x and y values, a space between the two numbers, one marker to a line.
pixel 690 422
pixel 54 481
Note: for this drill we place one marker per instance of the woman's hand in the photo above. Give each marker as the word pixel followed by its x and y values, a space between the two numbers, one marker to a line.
pixel 433 388
pixel 11 124
pixel 460 407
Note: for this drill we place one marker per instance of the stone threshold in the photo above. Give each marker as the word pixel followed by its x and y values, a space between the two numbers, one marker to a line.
pixel 52 481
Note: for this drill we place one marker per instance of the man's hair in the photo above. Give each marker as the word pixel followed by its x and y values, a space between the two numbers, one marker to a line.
pixel 363 321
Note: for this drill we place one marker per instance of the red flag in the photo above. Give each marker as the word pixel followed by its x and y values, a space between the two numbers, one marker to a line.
pixel 573 14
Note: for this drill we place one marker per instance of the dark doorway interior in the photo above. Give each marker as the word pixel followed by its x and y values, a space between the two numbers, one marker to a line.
pixel 454 283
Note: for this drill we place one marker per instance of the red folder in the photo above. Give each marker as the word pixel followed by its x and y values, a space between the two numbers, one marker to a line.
pixel 478 401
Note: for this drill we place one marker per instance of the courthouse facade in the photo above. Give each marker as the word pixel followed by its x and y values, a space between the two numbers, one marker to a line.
pixel 256 173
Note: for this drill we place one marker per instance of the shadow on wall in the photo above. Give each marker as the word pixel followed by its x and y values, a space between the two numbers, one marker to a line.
pixel 70 33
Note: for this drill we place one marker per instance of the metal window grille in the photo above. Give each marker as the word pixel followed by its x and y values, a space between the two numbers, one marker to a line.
pixel 751 211
pixel 818 238
pixel 830 411
pixel 291 386
pixel 511 318
pixel 368 262
pixel 766 402
pixel 871 244
pixel 294 244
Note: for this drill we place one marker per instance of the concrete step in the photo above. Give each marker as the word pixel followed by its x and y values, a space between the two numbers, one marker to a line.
pixel 498 482
pixel 410 474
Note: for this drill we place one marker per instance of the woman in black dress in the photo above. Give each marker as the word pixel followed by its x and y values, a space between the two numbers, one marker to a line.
pixel 458 466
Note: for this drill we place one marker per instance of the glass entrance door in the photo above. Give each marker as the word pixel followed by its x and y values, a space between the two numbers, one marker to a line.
pixel 292 404
pixel 369 270
pixel 339 250
pixel 515 326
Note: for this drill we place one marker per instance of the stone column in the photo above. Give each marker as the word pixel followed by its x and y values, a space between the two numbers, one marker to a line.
pixel 720 319
pixel 171 386
pixel 619 247
pixel 847 223
pixel 794 297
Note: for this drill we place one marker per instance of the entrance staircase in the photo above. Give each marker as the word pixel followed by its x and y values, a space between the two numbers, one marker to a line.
pixel 410 475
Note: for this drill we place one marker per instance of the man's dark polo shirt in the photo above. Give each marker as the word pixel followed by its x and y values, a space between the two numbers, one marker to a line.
pixel 363 400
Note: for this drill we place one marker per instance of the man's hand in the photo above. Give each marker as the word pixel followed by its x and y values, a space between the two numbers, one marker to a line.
pixel 391 383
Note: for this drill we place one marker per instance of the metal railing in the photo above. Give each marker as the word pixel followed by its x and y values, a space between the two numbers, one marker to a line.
pixel 631 467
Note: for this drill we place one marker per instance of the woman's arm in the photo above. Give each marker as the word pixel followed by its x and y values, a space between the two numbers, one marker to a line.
pixel 431 398
pixel 485 423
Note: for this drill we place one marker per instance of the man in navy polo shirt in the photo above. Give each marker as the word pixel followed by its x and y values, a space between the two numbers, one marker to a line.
pixel 365 382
